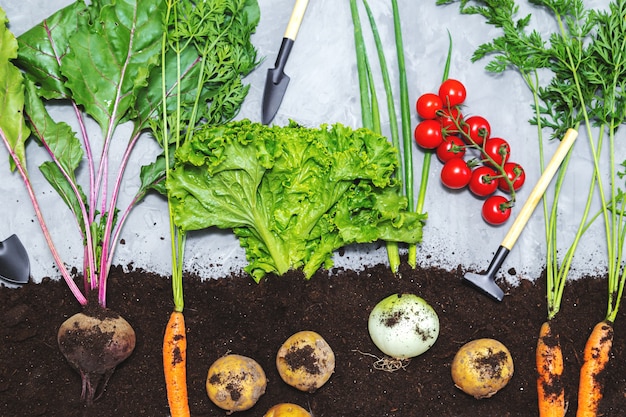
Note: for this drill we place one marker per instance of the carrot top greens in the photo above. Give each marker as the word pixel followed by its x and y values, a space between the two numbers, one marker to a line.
pixel 205 52
pixel 577 77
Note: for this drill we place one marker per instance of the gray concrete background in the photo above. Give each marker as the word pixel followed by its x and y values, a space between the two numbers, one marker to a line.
pixel 324 89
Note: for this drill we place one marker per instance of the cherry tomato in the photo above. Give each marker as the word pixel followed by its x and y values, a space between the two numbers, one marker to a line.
pixel 450 120
pixel 484 181
pixel 497 149
pixel 477 128
pixel 452 92
pixel 428 134
pixel 455 173
pixel 496 210
pixel 427 105
pixel 515 173
pixel 451 147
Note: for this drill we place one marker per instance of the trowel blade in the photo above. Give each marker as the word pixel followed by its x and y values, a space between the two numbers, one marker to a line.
pixel 484 284
pixel 14 263
pixel 275 87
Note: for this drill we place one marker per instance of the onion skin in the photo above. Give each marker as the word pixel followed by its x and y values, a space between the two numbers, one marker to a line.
pixel 403 326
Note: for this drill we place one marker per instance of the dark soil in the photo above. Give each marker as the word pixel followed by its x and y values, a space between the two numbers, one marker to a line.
pixel 236 315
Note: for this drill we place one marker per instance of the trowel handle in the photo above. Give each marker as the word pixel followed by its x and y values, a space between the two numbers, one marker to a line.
pixel 540 188
pixel 296 19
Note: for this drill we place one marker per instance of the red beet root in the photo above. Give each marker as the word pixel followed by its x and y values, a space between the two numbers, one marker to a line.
pixel 94 343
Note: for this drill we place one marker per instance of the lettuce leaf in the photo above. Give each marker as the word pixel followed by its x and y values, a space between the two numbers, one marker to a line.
pixel 292 195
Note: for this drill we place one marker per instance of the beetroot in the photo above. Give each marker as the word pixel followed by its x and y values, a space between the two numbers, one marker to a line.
pixel 94 342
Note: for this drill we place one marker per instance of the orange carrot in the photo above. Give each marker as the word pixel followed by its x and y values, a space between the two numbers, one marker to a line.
pixel 549 359
pixel 174 364
pixel 595 359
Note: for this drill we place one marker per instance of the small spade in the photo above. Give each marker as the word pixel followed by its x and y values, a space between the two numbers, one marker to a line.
pixel 277 81
pixel 14 263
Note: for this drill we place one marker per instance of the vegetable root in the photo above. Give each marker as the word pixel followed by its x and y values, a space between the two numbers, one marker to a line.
pixel 549 357
pixel 174 365
pixel 482 367
pixel 235 383
pixel 403 326
pixel 595 359
pixel 94 343
pixel 305 361
pixel 287 410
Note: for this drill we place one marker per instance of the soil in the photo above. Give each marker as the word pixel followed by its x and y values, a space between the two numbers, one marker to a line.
pixel 234 314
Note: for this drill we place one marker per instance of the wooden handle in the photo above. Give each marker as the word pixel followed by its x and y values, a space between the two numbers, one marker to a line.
pixel 296 19
pixel 540 188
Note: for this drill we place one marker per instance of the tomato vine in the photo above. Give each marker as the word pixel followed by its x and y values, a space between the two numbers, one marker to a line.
pixel 470 156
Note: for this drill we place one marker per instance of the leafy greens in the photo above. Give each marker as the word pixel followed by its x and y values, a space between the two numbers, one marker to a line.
pixel 118 62
pixel 292 195
pixel 94 59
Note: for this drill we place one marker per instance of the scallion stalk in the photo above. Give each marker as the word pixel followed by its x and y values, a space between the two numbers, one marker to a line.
pixel 370 113
pixel 371 119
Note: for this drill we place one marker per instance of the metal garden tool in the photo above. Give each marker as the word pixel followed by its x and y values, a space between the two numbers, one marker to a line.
pixel 486 282
pixel 277 81
pixel 14 263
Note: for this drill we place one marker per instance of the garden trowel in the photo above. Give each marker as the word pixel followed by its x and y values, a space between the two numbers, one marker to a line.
pixel 14 263
pixel 486 282
pixel 277 81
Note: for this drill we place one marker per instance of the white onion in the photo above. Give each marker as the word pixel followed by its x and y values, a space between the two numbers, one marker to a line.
pixel 403 326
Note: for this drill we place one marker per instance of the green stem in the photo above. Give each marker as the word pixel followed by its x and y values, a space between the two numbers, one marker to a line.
pixel 407 140
pixel 370 112
pixel 177 236
pixel 393 253
pixel 595 153
pixel 361 56
pixel 393 120
pixel 177 271
pixel 556 282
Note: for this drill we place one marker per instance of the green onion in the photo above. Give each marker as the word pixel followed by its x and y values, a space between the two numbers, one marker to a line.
pixel 370 114
pixel 371 117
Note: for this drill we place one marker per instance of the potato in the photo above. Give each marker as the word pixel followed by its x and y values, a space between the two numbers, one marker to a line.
pixel 482 367
pixel 287 410
pixel 235 382
pixel 305 361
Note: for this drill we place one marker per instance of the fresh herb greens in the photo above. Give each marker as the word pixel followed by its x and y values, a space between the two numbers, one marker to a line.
pixel 292 195
pixel 585 86
pixel 205 53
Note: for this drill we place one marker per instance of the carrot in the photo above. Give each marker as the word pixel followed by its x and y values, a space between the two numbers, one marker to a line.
pixel 595 359
pixel 549 359
pixel 174 364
